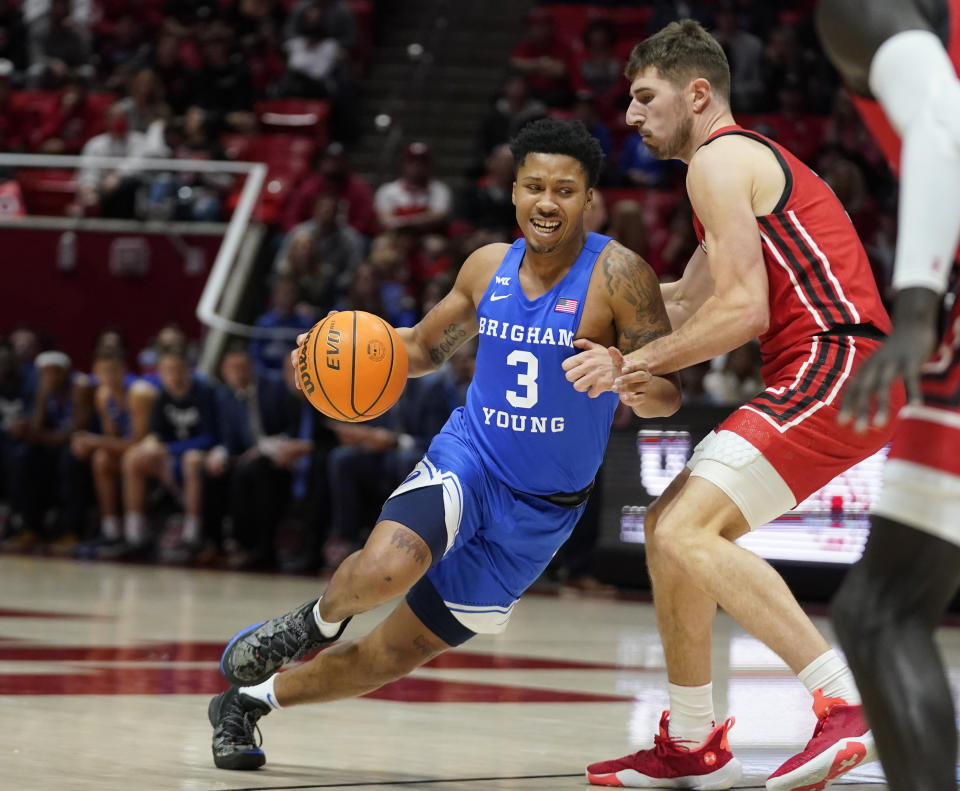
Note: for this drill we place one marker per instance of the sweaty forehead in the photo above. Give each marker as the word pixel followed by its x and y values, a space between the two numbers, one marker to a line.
pixel 551 167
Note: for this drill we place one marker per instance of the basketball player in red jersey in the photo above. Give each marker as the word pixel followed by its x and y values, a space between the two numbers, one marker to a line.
pixel 901 60
pixel 779 259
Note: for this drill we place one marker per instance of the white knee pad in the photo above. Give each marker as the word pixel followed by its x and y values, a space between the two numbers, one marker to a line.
pixel 737 468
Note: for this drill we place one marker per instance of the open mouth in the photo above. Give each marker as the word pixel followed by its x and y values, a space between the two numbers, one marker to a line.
pixel 545 227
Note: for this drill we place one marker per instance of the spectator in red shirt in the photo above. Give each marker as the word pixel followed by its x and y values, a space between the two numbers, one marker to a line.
pixel 333 176
pixel 71 122
pixel 543 59
pixel 416 201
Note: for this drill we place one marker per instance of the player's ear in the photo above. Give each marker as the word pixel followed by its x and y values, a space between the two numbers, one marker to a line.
pixel 701 92
pixel 589 197
pixel 513 194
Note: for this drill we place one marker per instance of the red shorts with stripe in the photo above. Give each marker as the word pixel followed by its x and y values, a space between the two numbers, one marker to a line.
pixel 930 434
pixel 793 422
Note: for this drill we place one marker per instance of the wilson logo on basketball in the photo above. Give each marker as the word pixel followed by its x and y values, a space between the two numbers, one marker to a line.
pixel 357 363
pixel 304 367
pixel 333 350
pixel 376 351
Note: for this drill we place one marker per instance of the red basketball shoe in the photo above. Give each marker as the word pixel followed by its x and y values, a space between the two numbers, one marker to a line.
pixel 841 741
pixel 671 765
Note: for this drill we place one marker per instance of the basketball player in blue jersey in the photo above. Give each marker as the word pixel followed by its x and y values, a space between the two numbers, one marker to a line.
pixel 503 484
pixel 122 404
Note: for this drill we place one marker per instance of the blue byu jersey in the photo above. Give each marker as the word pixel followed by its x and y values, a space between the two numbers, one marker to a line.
pixel 532 430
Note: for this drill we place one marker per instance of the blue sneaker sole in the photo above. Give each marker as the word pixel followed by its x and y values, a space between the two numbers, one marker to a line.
pixel 229 676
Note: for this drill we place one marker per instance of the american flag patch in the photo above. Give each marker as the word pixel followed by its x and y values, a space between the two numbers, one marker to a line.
pixel 565 305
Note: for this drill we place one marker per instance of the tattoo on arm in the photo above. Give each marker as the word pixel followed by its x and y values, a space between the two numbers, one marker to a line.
pixel 629 279
pixel 422 645
pixel 413 546
pixel 452 336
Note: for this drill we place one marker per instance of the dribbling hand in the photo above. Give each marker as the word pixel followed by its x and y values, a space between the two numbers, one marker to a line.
pixel 294 353
pixel 909 346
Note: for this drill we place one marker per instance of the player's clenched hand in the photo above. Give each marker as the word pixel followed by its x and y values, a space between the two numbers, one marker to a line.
pixel 909 346
pixel 294 353
pixel 592 371
pixel 632 382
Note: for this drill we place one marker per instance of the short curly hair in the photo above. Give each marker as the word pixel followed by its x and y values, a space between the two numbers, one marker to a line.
pixel 552 136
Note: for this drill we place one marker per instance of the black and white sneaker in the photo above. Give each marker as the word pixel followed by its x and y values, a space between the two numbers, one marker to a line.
pixel 259 651
pixel 234 716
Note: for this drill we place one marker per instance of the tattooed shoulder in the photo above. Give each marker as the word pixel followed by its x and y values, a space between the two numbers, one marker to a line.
pixel 639 312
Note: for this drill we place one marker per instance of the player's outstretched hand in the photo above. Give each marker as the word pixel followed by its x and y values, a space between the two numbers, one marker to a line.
pixel 294 353
pixel 909 346
pixel 632 382
pixel 592 371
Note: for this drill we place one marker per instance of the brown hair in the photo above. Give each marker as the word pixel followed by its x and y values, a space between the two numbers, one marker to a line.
pixel 683 51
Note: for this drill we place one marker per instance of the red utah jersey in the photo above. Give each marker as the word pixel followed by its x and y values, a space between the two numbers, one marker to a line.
pixel 820 280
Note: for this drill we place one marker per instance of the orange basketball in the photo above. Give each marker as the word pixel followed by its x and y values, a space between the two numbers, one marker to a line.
pixel 352 366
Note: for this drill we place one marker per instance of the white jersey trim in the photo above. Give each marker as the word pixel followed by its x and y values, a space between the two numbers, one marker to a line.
pixel 793 279
pixel 921 497
pixel 930 415
pixel 482 619
pixel 851 354
pixel 826 263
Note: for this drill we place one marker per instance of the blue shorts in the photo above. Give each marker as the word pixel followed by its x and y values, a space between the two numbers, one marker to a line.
pixel 489 542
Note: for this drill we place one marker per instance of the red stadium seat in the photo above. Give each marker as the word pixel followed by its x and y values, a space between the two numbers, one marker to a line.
pixel 288 159
pixel 630 21
pixel 47 192
pixel 301 116
pixel 277 190
pixel 35 106
pixel 101 101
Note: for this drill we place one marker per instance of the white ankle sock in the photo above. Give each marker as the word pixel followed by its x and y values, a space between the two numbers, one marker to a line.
pixel 190 532
pixel 264 692
pixel 135 528
pixel 110 527
pixel 829 674
pixel 326 628
pixel 691 713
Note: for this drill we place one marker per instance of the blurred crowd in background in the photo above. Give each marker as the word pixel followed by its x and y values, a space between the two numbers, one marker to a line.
pixel 143 457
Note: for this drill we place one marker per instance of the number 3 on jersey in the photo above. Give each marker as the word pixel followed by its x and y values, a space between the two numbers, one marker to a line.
pixel 527 379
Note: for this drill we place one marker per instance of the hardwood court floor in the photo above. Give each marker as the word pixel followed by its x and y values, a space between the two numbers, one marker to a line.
pixel 106 671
